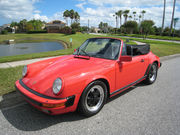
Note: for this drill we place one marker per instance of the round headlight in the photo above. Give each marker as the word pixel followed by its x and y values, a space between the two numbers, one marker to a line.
pixel 24 72
pixel 57 85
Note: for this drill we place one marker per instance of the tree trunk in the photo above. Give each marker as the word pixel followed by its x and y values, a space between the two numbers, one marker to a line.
pixel 172 20
pixel 119 22
pixel 162 29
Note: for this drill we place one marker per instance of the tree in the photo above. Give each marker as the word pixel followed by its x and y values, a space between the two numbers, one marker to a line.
pixel 76 17
pixel 130 17
pixel 103 27
pixel 72 15
pixel 131 26
pixel 119 14
pixel 175 21
pixel 22 25
pixel 84 28
pixel 34 25
pixel 164 12
pixel 140 18
pixel 143 12
pixel 76 26
pixel 115 15
pixel 125 14
pixel 66 15
pixel 174 6
pixel 134 13
pixel 147 27
pixel 13 24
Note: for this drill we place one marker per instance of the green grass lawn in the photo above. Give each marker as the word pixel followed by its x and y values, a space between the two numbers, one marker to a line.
pixel 8 77
pixel 151 36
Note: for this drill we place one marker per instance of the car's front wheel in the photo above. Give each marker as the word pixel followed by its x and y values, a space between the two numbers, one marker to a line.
pixel 93 98
pixel 152 75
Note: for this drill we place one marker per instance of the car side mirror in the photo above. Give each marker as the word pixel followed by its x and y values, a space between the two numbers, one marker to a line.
pixel 126 58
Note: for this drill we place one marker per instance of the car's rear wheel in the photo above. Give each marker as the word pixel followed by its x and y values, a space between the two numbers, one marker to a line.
pixel 152 75
pixel 93 98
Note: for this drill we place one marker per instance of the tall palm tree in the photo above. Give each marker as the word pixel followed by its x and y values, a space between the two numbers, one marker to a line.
pixel 125 14
pixel 134 13
pixel 130 17
pixel 172 20
pixel 76 17
pixel 66 15
pixel 143 12
pixel 119 13
pixel 175 22
pixel 72 14
pixel 164 12
pixel 140 18
pixel 115 15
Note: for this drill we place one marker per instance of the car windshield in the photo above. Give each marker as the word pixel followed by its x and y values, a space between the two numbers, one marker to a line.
pixel 106 48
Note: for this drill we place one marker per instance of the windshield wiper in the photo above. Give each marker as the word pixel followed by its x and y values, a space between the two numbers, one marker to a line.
pixel 78 54
pixel 85 53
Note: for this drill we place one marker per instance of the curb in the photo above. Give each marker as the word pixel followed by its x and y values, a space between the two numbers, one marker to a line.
pixel 164 58
pixel 14 98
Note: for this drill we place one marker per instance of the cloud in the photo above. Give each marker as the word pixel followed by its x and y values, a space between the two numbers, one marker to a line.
pixel 80 5
pixel 37 11
pixel 39 17
pixel 129 3
pixel 16 9
pixel 103 12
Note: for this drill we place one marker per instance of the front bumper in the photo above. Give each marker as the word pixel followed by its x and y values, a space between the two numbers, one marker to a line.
pixel 45 103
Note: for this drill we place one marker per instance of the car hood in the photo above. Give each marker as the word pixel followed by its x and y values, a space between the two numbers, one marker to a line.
pixel 41 75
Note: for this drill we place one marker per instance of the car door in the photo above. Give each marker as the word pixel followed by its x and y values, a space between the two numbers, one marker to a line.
pixel 128 72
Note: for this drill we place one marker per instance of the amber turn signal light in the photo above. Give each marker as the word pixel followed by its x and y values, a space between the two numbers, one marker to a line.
pixel 53 105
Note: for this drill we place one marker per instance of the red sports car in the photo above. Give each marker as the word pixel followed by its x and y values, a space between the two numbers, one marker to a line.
pixel 99 69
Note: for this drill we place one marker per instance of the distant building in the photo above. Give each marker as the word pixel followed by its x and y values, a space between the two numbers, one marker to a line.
pixel 6 27
pixel 55 26
pixel 95 29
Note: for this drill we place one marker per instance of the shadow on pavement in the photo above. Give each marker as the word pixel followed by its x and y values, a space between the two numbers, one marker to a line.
pixel 26 118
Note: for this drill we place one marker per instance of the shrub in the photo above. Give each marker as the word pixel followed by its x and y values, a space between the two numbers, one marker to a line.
pixel 66 30
pixel 73 31
pixel 4 32
pixel 36 31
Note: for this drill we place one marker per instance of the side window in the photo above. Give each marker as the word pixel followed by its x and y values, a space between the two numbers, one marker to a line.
pixel 124 50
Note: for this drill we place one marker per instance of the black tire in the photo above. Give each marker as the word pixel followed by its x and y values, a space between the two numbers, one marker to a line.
pixel 95 91
pixel 152 74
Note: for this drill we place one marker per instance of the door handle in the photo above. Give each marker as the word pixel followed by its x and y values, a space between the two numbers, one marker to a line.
pixel 142 60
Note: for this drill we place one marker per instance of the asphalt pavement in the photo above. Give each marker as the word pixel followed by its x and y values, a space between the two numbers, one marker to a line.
pixel 141 110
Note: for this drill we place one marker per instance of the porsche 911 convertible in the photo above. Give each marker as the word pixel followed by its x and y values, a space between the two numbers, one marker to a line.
pixel 99 69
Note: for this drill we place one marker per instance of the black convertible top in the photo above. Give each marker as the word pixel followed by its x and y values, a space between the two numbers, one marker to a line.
pixel 138 49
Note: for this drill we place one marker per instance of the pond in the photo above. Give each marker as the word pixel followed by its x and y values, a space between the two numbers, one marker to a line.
pixel 27 48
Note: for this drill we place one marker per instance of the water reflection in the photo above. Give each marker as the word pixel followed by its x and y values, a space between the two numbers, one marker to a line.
pixel 26 48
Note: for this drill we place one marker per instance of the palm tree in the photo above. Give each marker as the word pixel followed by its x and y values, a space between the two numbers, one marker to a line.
pixel 66 15
pixel 125 14
pixel 140 18
pixel 130 17
pixel 119 14
pixel 174 5
pixel 143 12
pixel 175 22
pixel 115 15
pixel 76 17
pixel 134 13
pixel 164 11
pixel 72 15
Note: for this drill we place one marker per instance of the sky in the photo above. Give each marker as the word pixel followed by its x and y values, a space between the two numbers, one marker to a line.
pixel 94 10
